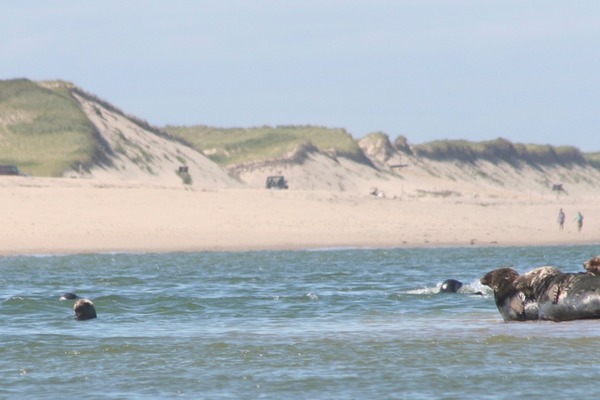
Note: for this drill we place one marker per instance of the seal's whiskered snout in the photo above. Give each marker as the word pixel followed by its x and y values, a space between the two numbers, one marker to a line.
pixel 499 277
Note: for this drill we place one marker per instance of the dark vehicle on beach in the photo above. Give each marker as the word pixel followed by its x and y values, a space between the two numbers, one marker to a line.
pixel 9 170
pixel 276 182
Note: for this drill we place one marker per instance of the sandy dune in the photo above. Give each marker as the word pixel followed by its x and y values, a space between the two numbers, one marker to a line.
pixel 140 155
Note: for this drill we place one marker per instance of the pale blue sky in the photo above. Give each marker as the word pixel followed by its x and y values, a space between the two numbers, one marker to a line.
pixel 525 70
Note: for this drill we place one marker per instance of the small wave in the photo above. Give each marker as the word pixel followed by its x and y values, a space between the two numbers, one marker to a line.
pixel 474 287
pixel 425 290
pixel 312 296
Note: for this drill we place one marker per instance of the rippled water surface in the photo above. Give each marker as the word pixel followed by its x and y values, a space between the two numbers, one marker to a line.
pixel 336 324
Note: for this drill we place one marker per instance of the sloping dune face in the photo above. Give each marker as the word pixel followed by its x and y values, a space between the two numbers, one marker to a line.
pixel 141 155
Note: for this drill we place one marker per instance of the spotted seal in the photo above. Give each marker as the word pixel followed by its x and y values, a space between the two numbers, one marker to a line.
pixel 541 283
pixel 561 296
pixel 512 303
pixel 592 265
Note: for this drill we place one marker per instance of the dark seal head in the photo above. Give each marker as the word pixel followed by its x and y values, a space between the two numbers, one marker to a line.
pixel 450 286
pixel 592 265
pixel 68 296
pixel 501 280
pixel 511 302
pixel 84 309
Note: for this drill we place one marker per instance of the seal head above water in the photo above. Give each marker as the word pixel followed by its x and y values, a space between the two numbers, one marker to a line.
pixel 84 309
pixel 450 286
pixel 68 296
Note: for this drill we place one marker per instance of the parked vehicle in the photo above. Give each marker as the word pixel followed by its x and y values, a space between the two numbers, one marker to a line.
pixel 9 170
pixel 276 182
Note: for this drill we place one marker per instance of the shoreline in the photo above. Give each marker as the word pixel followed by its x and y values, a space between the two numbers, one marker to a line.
pixel 59 253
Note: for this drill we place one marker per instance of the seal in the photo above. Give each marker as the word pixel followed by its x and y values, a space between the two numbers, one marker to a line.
pixel 592 265
pixel 450 286
pixel 84 309
pixel 512 303
pixel 541 283
pixel 562 296
pixel 68 296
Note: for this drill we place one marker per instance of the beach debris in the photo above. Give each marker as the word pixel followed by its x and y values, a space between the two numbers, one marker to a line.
pixel 558 188
pixel 376 192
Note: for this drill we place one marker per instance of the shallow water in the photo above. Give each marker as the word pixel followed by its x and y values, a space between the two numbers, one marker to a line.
pixel 303 324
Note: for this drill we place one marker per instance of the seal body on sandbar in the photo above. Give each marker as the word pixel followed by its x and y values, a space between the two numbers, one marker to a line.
pixel 562 296
pixel 541 283
pixel 84 309
pixel 512 303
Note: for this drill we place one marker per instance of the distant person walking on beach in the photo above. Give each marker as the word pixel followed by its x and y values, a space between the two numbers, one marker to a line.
pixel 561 220
pixel 579 220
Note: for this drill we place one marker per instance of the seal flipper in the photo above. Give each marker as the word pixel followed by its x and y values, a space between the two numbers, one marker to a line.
pixel 517 304
pixel 553 293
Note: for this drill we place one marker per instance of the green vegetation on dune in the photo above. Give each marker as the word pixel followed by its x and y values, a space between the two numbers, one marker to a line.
pixel 231 146
pixel 376 137
pixel 42 128
pixel 466 151
pixel 593 159
pixel 45 132
pixel 546 154
pixel 499 150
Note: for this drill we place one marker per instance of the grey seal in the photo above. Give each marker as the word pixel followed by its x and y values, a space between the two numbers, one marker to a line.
pixel 450 286
pixel 512 303
pixel 84 309
pixel 592 265
pixel 562 296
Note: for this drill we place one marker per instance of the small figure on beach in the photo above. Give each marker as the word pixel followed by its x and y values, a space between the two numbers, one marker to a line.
pixel 579 220
pixel 561 219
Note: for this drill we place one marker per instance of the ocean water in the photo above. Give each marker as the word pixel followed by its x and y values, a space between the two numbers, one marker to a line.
pixel 329 324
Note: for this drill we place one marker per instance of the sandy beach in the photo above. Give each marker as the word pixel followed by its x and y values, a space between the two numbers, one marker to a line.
pixel 137 203
pixel 55 216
